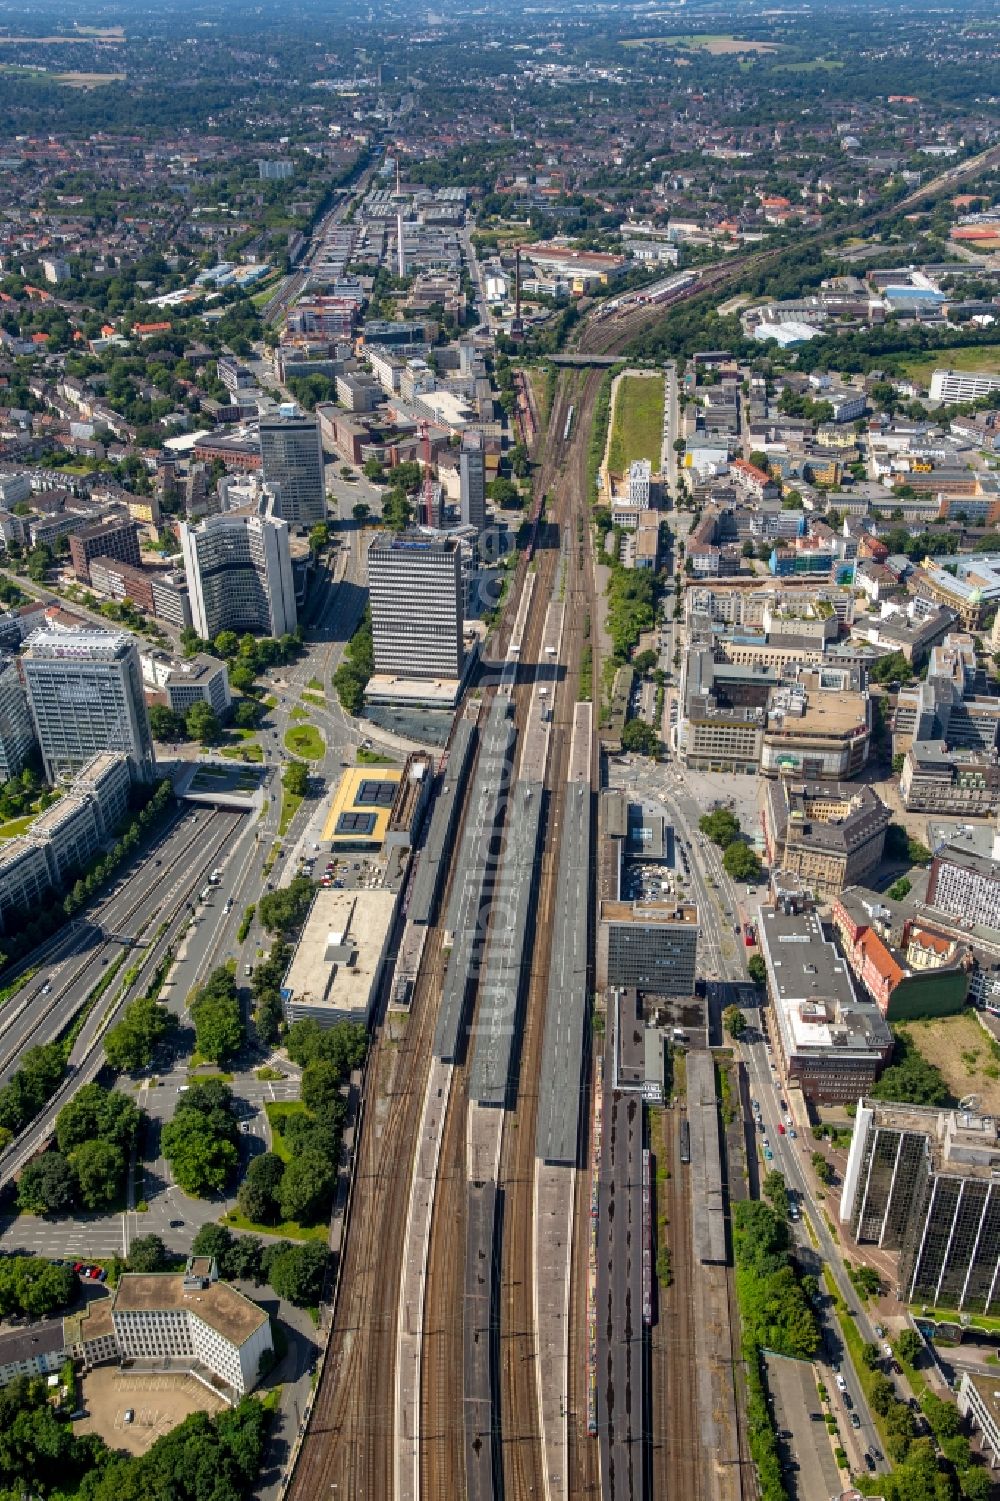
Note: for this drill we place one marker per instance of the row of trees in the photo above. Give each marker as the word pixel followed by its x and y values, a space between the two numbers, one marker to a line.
pixel 351 677
pixel 130 1044
pixel 740 861
pixel 34 1286
pixel 296 1272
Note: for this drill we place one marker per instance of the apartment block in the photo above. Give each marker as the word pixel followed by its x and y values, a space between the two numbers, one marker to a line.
pixel 937 779
pixel 925 1183
pixel 109 539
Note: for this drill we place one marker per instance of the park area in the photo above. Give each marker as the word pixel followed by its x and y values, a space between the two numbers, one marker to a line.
pixel 978 359
pixel 159 1400
pixel 637 424
pixel 965 1054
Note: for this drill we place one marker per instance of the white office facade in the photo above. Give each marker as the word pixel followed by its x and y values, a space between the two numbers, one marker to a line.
pixel 85 694
pixel 239 575
pixel 416 592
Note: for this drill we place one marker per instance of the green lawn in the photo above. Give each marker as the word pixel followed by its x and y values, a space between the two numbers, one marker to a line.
pixel 637 430
pixel 305 740
pixel 984 357
pixel 371 758
pixel 277 1112
pixel 15 826
pixel 314 699
pixel 290 805
pixel 315 685
pixel 287 1230
pixel 249 751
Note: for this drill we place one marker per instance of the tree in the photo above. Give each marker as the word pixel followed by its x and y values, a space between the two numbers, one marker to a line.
pixel 295 778
pixel 99 1167
pixel 200 1141
pixel 218 1020
pixel 203 725
pixel 721 826
pixel 165 724
pixel 871 1355
pixel 640 737
pixel 741 862
pixel 284 910
pixel 97 1113
pixel 910 1079
pixel 33 1285
pixel 212 1240
pixel 321 1082
pixel 735 1022
pixel 909 1347
pixel 47 1185
pixel 757 970
pixel 259 1191
pixel 147 1253
pixel 129 1046
pixel 899 889
pixel 344 1044
pixel 297 1273
pixel 644 662
pixel 361 511
pixel 775 1192
pixel 227 643
pixel 306 1187
pixel 397 511
pixel 822 1168
pixel 891 668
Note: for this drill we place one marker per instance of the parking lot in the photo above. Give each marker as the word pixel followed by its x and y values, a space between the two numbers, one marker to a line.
pixel 809 1469
pixel 157 1400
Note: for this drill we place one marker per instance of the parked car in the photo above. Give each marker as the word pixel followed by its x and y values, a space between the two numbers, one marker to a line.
pixel 855 1420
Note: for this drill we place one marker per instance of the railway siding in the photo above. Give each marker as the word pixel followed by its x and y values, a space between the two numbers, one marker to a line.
pixel 480 1341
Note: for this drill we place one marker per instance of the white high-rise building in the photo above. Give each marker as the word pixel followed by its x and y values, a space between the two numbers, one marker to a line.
pixel 291 453
pixel 415 586
pixel 639 475
pixel 239 574
pixel 472 479
pixel 85 694
pixel 17 734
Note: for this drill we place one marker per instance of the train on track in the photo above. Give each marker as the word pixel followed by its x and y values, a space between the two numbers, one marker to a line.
pixel 685 1141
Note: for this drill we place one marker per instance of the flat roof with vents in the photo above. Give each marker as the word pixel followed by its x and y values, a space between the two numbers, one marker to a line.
pixel 335 970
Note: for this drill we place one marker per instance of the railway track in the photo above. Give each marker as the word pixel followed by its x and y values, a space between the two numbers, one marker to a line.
pixel 677 1453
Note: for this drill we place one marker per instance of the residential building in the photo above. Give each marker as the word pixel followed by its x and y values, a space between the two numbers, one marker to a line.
pixel 925 1184
pixel 955 386
pixel 833 1045
pixel 17 734
pixel 275 168
pixel 937 779
pixel 109 539
pixel 965 877
pixel 239 574
pixel 909 968
pixel 175 1319
pixel 648 946
pixel 472 480
pixel 830 835
pixel 336 969
pixel 639 478
pixel 292 467
pixel 85 693
pixel 416 592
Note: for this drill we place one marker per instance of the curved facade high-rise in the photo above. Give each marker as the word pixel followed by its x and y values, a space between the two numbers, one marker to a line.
pixel 239 575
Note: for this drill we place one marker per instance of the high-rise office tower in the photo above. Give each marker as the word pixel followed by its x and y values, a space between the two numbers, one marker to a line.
pixel 472 478
pixel 85 693
pixel 415 585
pixel 17 733
pixel 239 574
pixel 292 464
